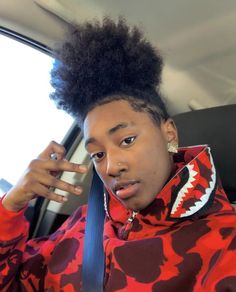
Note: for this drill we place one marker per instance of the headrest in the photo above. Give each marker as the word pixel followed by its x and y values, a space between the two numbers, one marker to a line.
pixel 217 128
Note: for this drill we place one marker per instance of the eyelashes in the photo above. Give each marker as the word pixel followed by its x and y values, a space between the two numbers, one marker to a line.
pixel 97 156
pixel 126 142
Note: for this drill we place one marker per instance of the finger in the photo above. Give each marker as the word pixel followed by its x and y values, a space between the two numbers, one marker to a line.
pixel 57 166
pixel 52 148
pixel 43 191
pixel 52 182
pixel 57 198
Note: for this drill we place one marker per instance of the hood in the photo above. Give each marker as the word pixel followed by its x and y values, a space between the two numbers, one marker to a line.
pixel 188 193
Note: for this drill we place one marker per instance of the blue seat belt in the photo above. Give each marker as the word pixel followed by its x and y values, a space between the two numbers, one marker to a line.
pixel 93 254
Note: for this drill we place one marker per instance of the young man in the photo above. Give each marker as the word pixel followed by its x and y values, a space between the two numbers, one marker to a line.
pixel 168 226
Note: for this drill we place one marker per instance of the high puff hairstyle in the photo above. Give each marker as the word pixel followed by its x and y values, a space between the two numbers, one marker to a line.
pixel 104 61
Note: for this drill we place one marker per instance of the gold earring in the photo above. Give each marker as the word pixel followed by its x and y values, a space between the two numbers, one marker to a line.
pixel 172 147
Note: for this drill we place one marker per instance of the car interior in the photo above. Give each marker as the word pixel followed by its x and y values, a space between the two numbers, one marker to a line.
pixel 198 44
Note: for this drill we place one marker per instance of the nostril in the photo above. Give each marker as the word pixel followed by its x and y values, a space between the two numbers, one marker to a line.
pixel 116 171
pixel 115 166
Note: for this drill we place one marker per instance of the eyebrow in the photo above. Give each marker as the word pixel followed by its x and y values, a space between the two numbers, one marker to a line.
pixel 117 127
pixel 110 132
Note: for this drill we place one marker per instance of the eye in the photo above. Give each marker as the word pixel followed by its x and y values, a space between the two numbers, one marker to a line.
pixel 128 141
pixel 97 156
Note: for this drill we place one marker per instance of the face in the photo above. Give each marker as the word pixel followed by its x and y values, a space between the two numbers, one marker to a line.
pixel 129 151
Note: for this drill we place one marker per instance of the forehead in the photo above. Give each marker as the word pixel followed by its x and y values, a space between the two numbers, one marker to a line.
pixel 108 115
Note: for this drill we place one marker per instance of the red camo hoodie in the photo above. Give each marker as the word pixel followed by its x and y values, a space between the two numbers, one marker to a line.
pixel 185 240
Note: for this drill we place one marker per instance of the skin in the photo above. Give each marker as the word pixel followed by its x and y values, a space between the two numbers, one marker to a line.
pixel 40 176
pixel 128 147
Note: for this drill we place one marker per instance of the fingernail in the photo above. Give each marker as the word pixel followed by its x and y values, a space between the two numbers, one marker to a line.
pixel 83 168
pixel 78 190
pixel 64 199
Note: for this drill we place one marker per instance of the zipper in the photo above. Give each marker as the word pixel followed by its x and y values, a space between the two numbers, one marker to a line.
pixel 127 226
pixel 132 216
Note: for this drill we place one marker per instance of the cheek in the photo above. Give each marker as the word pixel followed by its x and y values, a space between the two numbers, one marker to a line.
pixel 101 171
pixel 156 163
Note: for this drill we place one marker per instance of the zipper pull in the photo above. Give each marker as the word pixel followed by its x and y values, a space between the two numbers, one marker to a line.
pixel 133 215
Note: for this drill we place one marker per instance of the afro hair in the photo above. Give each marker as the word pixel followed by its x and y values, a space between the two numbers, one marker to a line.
pixel 102 59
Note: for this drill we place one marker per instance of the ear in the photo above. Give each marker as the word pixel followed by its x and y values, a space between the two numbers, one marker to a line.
pixel 169 131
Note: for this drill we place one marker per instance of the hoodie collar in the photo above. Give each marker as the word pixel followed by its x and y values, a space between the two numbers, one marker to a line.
pixel 185 194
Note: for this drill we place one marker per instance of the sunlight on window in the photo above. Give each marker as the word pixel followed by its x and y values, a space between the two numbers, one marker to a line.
pixel 29 120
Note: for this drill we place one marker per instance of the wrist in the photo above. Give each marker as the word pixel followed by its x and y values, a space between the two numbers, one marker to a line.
pixel 9 205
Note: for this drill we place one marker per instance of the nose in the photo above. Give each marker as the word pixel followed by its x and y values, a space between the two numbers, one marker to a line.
pixel 116 165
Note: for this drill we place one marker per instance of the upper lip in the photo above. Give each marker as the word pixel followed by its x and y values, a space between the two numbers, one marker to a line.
pixel 122 184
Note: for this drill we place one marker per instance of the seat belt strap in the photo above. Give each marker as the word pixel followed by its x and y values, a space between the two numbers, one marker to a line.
pixel 93 254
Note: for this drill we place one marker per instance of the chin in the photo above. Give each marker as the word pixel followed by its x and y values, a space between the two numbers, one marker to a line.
pixel 135 205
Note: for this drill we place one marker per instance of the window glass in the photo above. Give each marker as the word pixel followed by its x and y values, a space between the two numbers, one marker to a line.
pixel 29 120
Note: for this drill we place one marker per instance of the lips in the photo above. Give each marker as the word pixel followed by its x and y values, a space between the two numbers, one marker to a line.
pixel 125 190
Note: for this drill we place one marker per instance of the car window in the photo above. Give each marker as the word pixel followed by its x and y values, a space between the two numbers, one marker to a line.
pixel 29 120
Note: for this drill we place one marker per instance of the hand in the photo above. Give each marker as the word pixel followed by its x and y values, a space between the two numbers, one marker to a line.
pixel 41 176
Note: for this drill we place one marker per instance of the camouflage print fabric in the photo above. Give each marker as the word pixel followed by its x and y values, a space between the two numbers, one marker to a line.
pixel 185 240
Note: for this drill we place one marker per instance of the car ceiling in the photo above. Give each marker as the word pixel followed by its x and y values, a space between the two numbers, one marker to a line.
pixel 196 38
